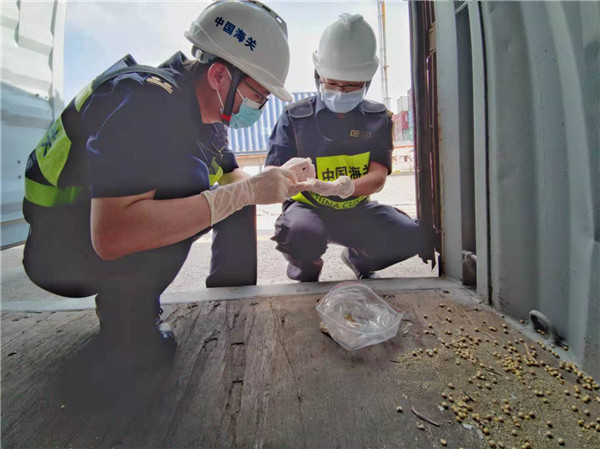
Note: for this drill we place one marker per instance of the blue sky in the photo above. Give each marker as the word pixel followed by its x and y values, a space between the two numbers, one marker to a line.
pixel 99 33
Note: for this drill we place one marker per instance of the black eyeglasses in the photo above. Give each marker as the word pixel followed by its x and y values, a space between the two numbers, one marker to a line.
pixel 260 98
pixel 342 87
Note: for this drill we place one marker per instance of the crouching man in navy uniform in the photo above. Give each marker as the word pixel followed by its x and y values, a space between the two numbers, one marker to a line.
pixel 349 140
pixel 121 185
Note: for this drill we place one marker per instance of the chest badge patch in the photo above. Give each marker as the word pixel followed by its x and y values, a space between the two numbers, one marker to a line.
pixel 360 134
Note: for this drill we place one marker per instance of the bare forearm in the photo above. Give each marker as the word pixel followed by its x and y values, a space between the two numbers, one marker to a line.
pixel 146 224
pixel 234 176
pixel 368 184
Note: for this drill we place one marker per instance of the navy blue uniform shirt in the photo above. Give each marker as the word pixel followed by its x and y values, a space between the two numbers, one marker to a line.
pixel 142 137
pixel 282 144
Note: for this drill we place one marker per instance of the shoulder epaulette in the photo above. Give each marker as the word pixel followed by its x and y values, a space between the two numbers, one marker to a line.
pixel 372 107
pixel 300 109
pixel 155 80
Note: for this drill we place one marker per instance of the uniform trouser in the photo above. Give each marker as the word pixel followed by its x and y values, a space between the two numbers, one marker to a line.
pixel 59 258
pixel 377 236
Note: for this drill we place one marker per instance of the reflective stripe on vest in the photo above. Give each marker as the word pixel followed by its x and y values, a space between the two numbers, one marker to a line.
pixel 215 172
pixel 330 168
pixel 83 95
pixel 52 152
pixel 48 196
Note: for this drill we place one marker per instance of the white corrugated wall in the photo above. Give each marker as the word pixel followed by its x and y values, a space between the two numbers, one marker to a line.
pixel 31 92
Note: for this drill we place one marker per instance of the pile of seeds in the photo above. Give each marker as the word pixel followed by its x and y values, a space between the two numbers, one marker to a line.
pixel 515 393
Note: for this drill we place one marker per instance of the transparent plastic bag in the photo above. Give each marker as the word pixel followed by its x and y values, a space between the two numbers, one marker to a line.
pixel 355 316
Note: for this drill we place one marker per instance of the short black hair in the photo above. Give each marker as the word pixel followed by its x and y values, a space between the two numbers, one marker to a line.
pixel 197 69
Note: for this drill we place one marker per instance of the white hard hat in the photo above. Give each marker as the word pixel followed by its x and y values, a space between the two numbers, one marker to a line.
pixel 347 50
pixel 249 35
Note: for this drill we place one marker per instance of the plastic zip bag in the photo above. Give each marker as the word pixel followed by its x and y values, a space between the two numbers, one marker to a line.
pixel 355 316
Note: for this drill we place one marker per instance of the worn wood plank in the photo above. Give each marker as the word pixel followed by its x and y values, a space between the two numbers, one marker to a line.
pixel 259 373
pixel 28 377
pixel 14 324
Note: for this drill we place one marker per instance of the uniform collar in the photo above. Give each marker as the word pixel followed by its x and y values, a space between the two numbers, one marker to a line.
pixel 174 65
pixel 320 105
pixel 185 80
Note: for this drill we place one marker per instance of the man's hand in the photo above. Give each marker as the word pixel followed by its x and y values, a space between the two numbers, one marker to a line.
pixel 302 168
pixel 273 185
pixel 342 187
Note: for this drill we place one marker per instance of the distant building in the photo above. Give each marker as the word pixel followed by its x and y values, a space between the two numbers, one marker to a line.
pixel 403 156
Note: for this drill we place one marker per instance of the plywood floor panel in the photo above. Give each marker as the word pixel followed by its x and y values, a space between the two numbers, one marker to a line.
pixel 259 373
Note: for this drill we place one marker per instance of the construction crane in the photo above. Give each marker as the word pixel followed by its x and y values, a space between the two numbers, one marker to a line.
pixel 382 53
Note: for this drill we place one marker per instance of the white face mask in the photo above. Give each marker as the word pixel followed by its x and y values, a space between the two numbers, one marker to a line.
pixel 342 102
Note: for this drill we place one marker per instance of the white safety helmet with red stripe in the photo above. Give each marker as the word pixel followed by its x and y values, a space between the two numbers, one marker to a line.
pixel 250 36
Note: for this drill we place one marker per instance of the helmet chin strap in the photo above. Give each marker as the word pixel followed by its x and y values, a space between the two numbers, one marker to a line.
pixel 235 81
pixel 317 81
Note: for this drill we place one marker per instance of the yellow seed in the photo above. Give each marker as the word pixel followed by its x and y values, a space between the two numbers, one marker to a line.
pixel 492 443
pixel 443 442
pixel 420 426
pixel 399 409
pixel 549 434
pixel 561 441
pixel 514 432
pixel 486 431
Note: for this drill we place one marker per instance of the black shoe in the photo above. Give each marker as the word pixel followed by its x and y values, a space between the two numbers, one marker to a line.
pixel 166 334
pixel 140 342
pixel 297 274
pixel 366 275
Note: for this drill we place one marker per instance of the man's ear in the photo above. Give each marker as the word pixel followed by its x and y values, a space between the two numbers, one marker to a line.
pixel 217 75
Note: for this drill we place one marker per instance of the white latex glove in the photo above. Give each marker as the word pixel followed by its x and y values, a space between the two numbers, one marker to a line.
pixel 273 185
pixel 302 168
pixel 342 187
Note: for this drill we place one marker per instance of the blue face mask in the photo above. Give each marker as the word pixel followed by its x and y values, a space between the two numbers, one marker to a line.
pixel 341 102
pixel 249 112
pixel 247 116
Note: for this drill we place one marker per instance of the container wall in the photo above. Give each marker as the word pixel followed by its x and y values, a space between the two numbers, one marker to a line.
pixel 32 95
pixel 540 68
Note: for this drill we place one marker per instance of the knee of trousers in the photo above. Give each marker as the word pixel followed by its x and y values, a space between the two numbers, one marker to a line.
pixel 302 241
pixel 400 243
